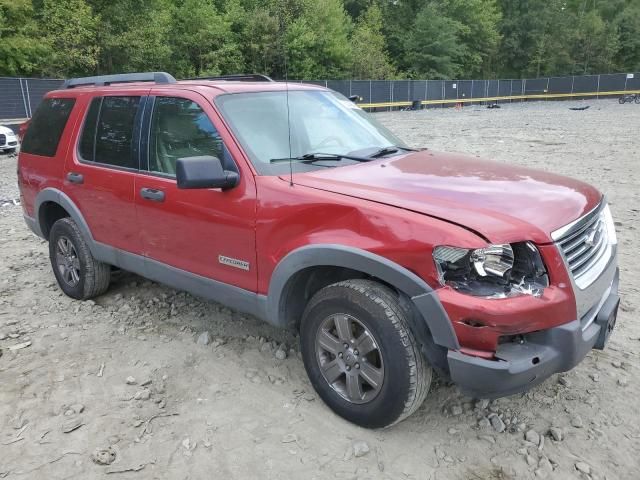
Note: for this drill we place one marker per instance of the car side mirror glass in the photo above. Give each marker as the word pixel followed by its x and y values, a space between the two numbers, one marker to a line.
pixel 204 172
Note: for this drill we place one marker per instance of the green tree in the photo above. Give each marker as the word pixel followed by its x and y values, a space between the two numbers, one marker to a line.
pixel 433 46
pixel 369 57
pixel 20 50
pixel 69 28
pixel 317 41
pixel 627 24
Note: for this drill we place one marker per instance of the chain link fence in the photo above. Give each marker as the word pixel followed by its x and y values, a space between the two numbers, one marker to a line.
pixel 19 97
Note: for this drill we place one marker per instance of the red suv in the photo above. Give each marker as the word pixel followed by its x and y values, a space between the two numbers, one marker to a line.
pixel 292 204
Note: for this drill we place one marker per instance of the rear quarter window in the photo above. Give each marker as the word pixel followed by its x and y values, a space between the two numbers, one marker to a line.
pixel 46 127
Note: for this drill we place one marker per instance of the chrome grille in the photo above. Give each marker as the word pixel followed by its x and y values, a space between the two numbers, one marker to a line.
pixel 3 138
pixel 585 246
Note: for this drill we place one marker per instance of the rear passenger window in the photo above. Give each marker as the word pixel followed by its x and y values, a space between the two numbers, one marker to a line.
pixel 108 131
pixel 46 126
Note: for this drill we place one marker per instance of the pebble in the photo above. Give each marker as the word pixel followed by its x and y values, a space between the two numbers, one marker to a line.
pixel 623 382
pixel 577 422
pixel 482 404
pixel 497 423
pixel 131 380
pixel 556 433
pixel 595 377
pixel 104 456
pixel 583 467
pixel 456 410
pixel 142 395
pixel 360 448
pixel 290 438
pixel 617 363
pixel 280 354
pixel 532 436
pixel 204 338
pixel 484 423
pixel 562 380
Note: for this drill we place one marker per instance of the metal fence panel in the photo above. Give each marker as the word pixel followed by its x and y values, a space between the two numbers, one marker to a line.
pixel 12 102
pixel 560 84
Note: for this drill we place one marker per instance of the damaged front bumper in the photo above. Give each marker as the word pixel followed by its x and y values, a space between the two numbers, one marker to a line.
pixel 520 366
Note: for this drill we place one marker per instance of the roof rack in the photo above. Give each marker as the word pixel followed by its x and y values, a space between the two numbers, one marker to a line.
pixel 103 80
pixel 239 77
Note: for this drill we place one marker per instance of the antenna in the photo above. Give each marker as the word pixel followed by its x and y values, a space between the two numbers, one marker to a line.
pixel 286 86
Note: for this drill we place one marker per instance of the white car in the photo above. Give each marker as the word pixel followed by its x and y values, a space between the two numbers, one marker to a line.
pixel 8 140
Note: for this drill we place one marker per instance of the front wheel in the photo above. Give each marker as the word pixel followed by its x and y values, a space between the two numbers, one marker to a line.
pixel 79 275
pixel 637 100
pixel 361 355
pixel 622 100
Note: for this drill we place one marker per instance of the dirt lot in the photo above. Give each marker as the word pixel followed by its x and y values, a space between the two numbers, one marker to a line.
pixel 235 409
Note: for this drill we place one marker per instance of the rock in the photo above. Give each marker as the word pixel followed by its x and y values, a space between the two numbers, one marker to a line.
pixel 456 410
pixel 204 338
pixel 104 456
pixel 482 404
pixel 144 394
pixel 545 464
pixel 564 381
pixel 617 364
pixel 77 408
pixel 146 382
pixel 72 425
pixel 290 438
pixel 595 377
pixel 556 433
pixel 577 422
pixel 360 448
pixel 487 438
pixel 484 423
pixel 623 382
pixel 532 436
pixel 280 354
pixel 497 423
pixel 453 431
pixel 531 461
pixel 131 380
pixel 583 467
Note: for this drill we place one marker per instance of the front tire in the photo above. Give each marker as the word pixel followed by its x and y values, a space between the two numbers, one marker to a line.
pixel 79 275
pixel 361 355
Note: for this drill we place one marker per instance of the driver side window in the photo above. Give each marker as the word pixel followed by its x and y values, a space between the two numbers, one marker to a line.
pixel 180 128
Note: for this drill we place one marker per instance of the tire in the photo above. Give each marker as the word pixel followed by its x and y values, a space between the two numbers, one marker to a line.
pixel 622 100
pixel 372 317
pixel 9 150
pixel 68 251
pixel 637 100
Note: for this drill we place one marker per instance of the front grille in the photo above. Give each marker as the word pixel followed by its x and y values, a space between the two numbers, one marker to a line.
pixel 585 246
pixel 3 138
pixel 12 144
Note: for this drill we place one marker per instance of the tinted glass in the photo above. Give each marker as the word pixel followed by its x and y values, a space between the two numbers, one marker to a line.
pixel 115 131
pixel 89 130
pixel 179 129
pixel 46 127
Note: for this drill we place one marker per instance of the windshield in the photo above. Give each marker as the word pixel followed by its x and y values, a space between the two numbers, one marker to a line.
pixel 321 121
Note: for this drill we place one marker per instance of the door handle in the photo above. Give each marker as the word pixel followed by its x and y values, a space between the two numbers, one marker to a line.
pixel 152 194
pixel 74 177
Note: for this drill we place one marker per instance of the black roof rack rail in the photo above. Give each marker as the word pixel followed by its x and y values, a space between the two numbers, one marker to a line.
pixel 103 80
pixel 239 77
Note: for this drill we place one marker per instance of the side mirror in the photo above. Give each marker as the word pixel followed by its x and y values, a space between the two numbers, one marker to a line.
pixel 204 172
pixel 355 98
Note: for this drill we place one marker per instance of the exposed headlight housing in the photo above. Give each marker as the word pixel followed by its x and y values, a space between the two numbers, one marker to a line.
pixel 496 271
pixel 611 227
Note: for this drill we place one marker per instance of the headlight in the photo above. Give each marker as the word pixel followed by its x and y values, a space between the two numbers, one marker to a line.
pixel 496 271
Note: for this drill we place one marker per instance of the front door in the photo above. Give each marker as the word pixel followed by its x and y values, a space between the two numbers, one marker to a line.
pixel 208 232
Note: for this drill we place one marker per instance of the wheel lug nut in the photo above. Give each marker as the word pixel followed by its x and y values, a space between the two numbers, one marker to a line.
pixel 355 352
pixel 340 355
pixel 348 368
pixel 346 345
pixel 357 365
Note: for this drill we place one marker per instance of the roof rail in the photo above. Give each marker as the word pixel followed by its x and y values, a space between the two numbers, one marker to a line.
pixel 103 80
pixel 239 77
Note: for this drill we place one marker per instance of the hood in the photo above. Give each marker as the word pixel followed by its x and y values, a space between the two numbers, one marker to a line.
pixel 6 130
pixel 501 202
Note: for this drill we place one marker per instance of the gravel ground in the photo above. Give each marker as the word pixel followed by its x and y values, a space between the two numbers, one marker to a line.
pixel 122 387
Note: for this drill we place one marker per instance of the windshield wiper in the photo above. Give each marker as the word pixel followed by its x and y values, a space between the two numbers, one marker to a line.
pixel 388 150
pixel 316 157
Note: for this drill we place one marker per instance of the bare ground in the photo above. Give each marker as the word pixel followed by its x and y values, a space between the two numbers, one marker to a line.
pixel 231 409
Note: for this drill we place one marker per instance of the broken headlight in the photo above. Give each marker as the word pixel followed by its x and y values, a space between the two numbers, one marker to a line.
pixel 496 271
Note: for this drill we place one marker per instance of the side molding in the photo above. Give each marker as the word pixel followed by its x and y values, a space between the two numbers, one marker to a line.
pixel 422 295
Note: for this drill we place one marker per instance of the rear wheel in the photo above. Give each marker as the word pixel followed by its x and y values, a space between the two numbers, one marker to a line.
pixel 637 100
pixel 360 354
pixel 79 275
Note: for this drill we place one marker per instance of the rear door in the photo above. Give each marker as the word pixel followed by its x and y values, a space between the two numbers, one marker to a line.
pixel 208 232
pixel 101 170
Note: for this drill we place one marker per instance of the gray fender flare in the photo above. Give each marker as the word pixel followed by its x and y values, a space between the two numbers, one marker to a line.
pixel 421 294
pixel 56 196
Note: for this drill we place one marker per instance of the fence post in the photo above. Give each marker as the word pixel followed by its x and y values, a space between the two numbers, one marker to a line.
pixel 391 93
pixel 524 90
pixel 547 89
pixel 24 99
pixel 598 89
pixel 573 80
pixel 370 92
pixel 350 87
pixel 511 90
pixel 426 92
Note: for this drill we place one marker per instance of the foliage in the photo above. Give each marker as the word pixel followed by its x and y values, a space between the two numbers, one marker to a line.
pixel 321 38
